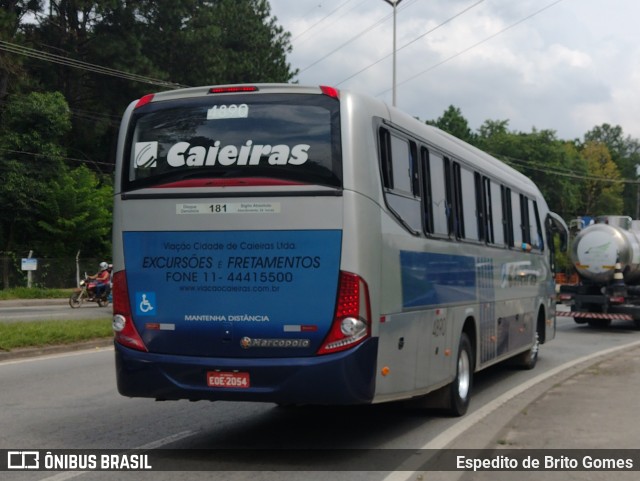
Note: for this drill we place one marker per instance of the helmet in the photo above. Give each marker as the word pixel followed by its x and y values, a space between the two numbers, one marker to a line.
pixel 104 266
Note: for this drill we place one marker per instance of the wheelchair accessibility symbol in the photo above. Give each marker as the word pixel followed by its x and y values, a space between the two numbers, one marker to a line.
pixel 146 303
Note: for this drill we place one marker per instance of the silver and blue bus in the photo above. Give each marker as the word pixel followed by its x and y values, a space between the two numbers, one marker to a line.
pixel 308 245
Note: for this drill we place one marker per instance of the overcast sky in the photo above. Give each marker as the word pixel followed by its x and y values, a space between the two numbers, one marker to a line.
pixel 565 65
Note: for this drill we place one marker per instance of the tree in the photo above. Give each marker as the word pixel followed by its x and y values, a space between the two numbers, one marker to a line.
pixel 77 215
pixel 453 122
pixel 187 42
pixel 536 154
pixel 31 156
pixel 31 129
pixel 11 14
pixel 493 128
pixel 625 153
pixel 45 200
pixel 603 195
pixel 234 41
pixel 47 205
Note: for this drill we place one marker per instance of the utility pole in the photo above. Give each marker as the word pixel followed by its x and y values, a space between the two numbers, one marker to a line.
pixel 638 192
pixel 394 4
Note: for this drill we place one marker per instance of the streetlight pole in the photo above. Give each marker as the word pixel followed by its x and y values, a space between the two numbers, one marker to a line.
pixel 394 4
pixel 638 191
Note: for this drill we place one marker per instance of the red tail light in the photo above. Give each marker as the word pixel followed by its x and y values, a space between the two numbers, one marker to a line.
pixel 124 330
pixel 144 100
pixel 352 319
pixel 330 91
pixel 233 89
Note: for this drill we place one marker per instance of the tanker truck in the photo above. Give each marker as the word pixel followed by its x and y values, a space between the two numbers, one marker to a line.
pixel 606 256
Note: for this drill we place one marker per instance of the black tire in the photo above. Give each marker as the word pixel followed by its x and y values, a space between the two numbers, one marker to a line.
pixel 103 302
pixel 600 323
pixel 528 359
pixel 75 300
pixel 459 391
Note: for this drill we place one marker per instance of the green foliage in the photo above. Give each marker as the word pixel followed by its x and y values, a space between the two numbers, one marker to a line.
pixel 33 293
pixel 12 13
pixel 14 335
pixel 236 41
pixel 563 261
pixel 535 154
pixel 601 195
pixel 454 123
pixel 35 124
pixel 57 206
pixel 575 178
pixel 31 129
pixel 77 215
pixel 46 205
pixel 186 42
pixel 625 153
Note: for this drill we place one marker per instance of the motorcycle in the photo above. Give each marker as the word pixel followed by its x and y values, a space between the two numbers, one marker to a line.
pixel 86 293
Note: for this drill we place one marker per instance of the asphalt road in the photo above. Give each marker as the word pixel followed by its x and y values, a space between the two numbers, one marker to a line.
pixel 70 401
pixel 14 311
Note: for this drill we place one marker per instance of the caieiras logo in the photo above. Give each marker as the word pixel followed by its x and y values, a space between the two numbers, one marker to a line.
pixel 146 154
pixel 183 153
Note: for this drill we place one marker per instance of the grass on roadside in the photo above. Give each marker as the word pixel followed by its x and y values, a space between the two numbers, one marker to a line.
pixel 14 335
pixel 33 293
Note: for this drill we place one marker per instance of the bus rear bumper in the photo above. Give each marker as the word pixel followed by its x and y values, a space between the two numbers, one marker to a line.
pixel 335 379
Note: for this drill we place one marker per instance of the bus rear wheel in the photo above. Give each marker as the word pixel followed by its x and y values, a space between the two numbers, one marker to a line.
pixel 459 391
pixel 528 359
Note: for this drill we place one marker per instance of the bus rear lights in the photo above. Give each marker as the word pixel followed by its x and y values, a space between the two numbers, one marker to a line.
pixel 119 322
pixel 126 334
pixel 234 89
pixel 352 327
pixel 124 330
pixel 351 322
pixel 144 100
pixel 330 91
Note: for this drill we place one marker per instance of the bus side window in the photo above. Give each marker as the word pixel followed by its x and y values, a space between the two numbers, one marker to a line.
pixel 516 220
pixel 458 217
pixel 440 207
pixel 537 239
pixel 402 168
pixel 399 166
pixel 524 216
pixel 427 199
pixel 449 197
pixel 468 208
pixel 385 158
pixel 481 210
pixel 507 216
pixel 485 206
pixel 415 170
pixel 497 215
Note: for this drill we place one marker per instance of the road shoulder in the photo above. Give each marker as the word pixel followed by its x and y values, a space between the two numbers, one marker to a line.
pixel 27 352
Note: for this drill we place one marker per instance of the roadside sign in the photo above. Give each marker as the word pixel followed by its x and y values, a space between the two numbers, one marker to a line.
pixel 29 264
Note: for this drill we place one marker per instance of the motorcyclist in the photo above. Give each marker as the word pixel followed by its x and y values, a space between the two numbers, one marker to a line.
pixel 102 278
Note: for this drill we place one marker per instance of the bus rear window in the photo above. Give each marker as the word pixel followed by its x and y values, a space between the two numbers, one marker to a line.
pixel 272 139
